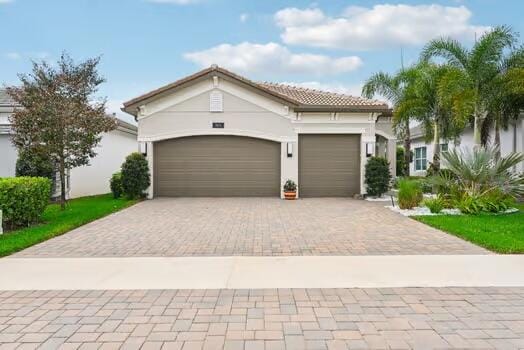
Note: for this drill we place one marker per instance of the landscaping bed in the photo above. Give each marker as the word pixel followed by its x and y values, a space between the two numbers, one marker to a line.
pixel 55 222
pixel 499 233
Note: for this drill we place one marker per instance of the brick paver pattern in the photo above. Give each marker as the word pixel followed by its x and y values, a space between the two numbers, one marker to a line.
pixel 423 318
pixel 253 227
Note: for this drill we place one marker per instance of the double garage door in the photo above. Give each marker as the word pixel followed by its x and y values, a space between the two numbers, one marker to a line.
pixel 228 166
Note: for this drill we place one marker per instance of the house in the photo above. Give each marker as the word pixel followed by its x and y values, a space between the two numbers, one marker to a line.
pixel 215 133
pixel 511 140
pixel 82 181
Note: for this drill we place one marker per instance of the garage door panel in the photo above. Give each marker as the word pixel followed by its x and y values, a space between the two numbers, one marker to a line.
pixel 214 166
pixel 329 165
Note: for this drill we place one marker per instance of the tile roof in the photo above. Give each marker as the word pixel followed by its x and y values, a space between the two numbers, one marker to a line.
pixel 299 97
pixel 313 97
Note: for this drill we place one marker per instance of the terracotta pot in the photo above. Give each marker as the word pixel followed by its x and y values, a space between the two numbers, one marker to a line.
pixel 290 195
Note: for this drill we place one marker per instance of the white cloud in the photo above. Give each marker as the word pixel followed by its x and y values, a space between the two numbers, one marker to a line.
pixel 13 55
pixel 362 28
pixel 244 17
pixel 5 1
pixel 113 107
pixel 292 17
pixel 175 2
pixel 253 58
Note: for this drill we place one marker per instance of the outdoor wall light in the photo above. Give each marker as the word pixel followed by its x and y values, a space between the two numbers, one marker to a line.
pixel 370 147
pixel 143 148
pixel 289 150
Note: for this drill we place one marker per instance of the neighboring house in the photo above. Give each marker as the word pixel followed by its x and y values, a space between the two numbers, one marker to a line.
pixel 511 140
pixel 82 181
pixel 215 133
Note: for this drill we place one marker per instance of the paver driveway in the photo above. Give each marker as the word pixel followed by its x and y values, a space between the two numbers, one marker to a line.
pixel 290 319
pixel 252 226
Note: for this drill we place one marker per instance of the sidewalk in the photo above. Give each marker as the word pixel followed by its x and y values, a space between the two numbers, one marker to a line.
pixel 262 272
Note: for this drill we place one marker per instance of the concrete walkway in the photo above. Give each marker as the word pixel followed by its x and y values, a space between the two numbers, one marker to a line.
pixel 262 272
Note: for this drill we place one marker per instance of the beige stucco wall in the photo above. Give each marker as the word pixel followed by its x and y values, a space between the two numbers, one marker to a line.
pixel 245 113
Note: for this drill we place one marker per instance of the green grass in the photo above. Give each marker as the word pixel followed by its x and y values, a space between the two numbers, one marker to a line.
pixel 498 233
pixel 55 222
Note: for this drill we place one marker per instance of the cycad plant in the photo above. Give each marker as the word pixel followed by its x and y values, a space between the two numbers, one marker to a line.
pixel 477 172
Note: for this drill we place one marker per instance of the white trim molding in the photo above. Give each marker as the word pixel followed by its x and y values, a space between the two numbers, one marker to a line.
pixel 385 134
pixel 207 132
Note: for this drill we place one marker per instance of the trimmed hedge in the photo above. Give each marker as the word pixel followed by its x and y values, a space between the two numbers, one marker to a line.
pixel 115 183
pixel 377 176
pixel 135 175
pixel 23 199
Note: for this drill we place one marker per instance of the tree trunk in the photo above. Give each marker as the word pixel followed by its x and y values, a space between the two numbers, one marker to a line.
pixel 497 137
pixel 436 147
pixel 62 185
pixel 407 149
pixel 477 128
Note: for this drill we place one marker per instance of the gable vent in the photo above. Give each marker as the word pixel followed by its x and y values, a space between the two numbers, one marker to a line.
pixel 216 102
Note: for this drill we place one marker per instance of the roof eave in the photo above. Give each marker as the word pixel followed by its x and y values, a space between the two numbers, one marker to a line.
pixel 332 108
pixel 131 106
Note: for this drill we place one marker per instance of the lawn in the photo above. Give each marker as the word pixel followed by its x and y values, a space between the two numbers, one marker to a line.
pixel 55 222
pixel 498 233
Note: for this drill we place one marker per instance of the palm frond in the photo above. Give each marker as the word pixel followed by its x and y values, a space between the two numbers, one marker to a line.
pixel 381 84
pixel 447 48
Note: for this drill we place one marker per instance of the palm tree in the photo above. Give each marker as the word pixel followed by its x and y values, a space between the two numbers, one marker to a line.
pixel 392 87
pixel 468 85
pixel 422 102
pixel 507 95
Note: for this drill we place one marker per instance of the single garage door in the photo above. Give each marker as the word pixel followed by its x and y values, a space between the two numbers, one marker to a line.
pixel 329 165
pixel 217 166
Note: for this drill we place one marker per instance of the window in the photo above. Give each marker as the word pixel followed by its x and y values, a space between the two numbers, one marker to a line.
pixel 443 147
pixel 420 158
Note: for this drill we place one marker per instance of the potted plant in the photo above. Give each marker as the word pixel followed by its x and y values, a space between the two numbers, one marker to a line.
pixel 290 189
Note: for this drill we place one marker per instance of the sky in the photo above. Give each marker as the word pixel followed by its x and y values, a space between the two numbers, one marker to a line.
pixel 332 45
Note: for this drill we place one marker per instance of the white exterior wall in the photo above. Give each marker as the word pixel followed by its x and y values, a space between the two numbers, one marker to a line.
pixel 93 179
pixel 86 180
pixel 507 144
pixel 245 113
pixel 8 156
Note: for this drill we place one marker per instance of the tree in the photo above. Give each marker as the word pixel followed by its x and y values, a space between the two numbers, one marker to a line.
pixel 34 164
pixel 506 96
pixel 392 87
pixel 468 85
pixel 59 115
pixel 422 102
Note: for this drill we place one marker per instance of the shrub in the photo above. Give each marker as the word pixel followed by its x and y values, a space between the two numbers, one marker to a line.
pixel 23 199
pixel 496 201
pixel 425 185
pixel 435 205
pixel 115 183
pixel 409 194
pixel 378 176
pixel 401 161
pixel 469 204
pixel 290 186
pixel 135 175
pixel 34 164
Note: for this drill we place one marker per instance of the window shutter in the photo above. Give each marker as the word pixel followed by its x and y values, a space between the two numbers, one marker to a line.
pixel 216 102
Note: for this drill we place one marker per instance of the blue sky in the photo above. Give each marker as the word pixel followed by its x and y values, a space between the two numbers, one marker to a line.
pixel 144 44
